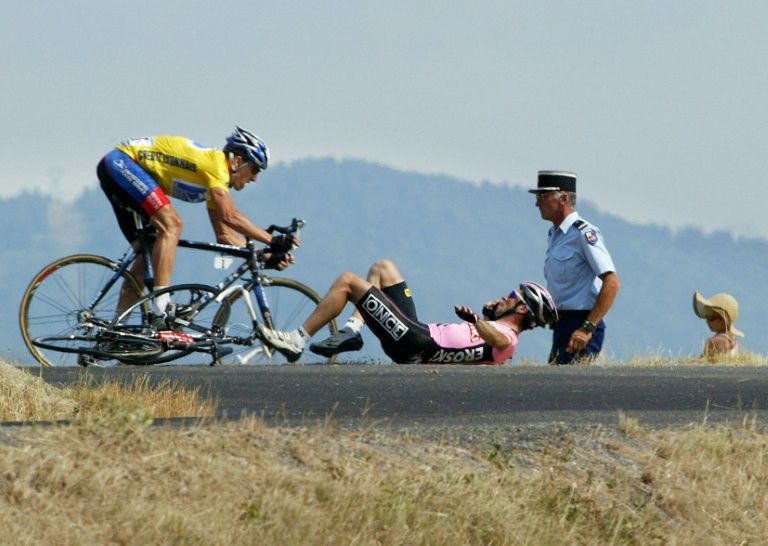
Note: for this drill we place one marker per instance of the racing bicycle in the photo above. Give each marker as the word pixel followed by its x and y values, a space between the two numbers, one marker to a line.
pixel 69 312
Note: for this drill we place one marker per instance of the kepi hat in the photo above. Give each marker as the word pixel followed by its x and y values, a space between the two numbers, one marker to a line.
pixel 555 181
pixel 723 304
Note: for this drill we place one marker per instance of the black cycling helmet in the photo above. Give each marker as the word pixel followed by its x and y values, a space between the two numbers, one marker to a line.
pixel 541 306
pixel 251 147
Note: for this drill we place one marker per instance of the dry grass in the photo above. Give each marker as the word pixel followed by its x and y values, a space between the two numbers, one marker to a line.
pixel 26 397
pixel 660 358
pixel 166 399
pixel 111 478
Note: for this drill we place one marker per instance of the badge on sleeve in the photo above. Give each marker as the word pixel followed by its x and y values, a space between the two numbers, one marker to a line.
pixel 591 236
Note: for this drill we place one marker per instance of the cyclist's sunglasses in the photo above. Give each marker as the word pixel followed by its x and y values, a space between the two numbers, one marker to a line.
pixel 515 295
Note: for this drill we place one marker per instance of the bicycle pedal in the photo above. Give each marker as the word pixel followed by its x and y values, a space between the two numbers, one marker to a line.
pixel 88 361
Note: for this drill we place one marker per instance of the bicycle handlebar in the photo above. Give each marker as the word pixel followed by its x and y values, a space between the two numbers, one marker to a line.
pixel 277 256
pixel 293 229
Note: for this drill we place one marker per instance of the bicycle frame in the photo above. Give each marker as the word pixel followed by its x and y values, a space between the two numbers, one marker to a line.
pixel 253 263
pixel 247 253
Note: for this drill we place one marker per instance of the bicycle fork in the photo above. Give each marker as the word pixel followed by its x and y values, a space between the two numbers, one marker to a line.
pixel 264 308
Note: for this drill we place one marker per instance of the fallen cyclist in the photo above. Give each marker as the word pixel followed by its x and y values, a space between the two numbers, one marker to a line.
pixel 384 304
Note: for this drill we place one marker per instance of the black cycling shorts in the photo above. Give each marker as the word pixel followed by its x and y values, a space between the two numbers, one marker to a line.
pixel 403 338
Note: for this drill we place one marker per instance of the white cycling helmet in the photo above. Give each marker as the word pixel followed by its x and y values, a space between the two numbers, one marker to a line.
pixel 250 146
pixel 540 303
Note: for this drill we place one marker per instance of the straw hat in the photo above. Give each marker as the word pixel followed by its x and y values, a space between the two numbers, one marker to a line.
pixel 724 305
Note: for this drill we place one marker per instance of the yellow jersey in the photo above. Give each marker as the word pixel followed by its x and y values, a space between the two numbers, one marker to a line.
pixel 183 168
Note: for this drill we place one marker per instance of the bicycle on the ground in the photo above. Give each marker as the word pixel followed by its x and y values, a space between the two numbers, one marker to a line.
pixel 69 313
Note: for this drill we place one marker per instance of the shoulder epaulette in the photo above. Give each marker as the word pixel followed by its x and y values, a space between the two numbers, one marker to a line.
pixel 581 225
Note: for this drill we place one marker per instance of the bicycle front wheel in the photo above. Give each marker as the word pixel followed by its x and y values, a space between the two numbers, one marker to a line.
pixel 195 307
pixel 70 299
pixel 126 348
pixel 290 303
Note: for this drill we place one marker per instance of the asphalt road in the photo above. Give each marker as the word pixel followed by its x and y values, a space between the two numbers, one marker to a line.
pixel 419 395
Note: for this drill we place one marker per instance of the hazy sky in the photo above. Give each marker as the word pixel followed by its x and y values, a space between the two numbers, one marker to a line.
pixel 661 107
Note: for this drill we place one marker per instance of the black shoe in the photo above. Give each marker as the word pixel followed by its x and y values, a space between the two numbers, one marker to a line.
pixel 341 341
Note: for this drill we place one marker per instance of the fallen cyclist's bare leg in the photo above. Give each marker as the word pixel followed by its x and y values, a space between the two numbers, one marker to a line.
pixel 382 273
pixel 348 287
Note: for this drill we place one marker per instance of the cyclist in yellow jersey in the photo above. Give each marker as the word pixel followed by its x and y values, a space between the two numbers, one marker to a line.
pixel 141 174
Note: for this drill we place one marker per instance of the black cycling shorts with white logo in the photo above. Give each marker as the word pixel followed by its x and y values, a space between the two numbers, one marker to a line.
pixel 403 339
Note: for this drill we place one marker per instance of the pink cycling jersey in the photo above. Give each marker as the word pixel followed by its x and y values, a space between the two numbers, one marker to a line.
pixel 461 343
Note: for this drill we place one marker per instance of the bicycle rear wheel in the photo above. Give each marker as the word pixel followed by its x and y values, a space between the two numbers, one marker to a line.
pixel 290 303
pixel 71 299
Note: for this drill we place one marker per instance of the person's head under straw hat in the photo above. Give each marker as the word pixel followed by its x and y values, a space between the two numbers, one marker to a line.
pixel 722 306
pixel 720 311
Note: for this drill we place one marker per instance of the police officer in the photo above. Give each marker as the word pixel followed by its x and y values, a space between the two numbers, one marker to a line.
pixel 580 273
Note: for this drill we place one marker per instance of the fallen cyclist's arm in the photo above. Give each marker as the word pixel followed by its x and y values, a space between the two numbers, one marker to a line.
pixel 485 330
pixel 491 335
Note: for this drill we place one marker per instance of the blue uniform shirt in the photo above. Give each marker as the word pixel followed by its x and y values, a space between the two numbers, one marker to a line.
pixel 576 256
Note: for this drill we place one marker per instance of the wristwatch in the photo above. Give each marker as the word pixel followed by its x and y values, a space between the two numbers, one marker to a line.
pixel 588 326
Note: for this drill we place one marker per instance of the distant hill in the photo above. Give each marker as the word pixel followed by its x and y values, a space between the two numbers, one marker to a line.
pixel 456 242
